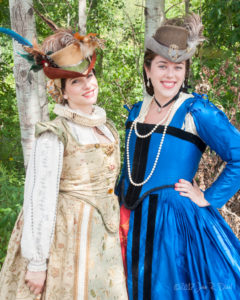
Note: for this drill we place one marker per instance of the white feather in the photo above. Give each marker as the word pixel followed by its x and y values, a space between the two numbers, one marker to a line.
pixel 195 27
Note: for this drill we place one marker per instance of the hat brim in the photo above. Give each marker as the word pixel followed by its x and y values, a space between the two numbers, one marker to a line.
pixel 170 53
pixel 55 73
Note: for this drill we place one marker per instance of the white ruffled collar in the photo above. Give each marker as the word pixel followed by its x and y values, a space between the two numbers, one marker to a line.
pixel 97 118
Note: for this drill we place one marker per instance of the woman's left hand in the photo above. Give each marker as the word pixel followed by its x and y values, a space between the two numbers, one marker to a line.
pixel 192 191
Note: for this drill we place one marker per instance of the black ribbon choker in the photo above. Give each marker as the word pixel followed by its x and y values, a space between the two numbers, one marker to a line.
pixel 165 105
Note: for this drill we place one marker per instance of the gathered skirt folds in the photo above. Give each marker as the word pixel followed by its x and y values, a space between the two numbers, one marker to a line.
pixel 84 263
pixel 179 251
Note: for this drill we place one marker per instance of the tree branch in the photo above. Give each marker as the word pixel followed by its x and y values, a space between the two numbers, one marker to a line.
pixel 69 4
pixel 120 90
pixel 140 6
pixel 134 42
pixel 173 6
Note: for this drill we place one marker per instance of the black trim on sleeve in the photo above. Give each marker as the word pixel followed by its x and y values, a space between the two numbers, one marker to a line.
pixel 144 128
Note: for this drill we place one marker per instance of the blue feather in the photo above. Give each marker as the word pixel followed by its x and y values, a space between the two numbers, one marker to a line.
pixel 16 36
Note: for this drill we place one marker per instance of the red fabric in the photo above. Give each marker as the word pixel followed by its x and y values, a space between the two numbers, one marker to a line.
pixel 123 232
pixel 54 73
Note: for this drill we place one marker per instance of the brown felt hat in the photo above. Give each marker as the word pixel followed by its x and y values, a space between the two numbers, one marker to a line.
pixel 177 43
pixel 168 35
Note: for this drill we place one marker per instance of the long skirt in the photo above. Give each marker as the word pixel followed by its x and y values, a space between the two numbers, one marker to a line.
pixel 175 250
pixel 84 262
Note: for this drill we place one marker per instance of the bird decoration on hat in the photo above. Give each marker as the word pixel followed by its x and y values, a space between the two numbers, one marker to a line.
pixel 61 44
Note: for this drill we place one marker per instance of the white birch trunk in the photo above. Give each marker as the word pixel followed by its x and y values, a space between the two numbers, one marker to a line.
pixel 82 17
pixel 30 87
pixel 154 16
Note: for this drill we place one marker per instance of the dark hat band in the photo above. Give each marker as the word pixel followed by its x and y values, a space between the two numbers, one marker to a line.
pixel 54 73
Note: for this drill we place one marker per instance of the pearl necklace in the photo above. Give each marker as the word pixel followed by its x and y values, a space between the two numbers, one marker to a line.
pixel 134 125
pixel 154 128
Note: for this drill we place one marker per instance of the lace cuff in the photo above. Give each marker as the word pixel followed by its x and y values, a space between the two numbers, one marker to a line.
pixel 37 266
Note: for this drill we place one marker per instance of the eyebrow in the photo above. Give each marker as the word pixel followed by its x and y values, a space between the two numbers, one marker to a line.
pixel 161 62
pixel 165 62
pixel 72 79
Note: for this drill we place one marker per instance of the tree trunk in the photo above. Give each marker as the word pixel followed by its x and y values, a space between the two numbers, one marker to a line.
pixel 82 18
pixel 187 6
pixel 154 16
pixel 30 87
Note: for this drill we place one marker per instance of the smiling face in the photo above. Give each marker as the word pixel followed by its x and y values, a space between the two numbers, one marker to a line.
pixel 167 77
pixel 81 92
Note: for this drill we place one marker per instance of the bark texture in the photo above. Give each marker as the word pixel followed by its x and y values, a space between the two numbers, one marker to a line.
pixel 30 86
pixel 82 17
pixel 187 6
pixel 154 16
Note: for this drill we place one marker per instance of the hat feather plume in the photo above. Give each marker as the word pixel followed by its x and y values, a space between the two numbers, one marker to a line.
pixel 49 22
pixel 195 28
pixel 60 39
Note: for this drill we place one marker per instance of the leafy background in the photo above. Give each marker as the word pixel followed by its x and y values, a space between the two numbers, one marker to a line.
pixel 215 71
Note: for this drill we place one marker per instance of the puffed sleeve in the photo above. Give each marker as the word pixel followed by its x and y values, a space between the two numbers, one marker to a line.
pixel 216 131
pixel 40 199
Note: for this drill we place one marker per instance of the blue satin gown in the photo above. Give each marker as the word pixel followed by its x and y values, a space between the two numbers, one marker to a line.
pixel 177 250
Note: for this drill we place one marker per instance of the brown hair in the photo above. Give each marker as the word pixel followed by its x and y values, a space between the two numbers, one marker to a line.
pixel 148 58
pixel 149 55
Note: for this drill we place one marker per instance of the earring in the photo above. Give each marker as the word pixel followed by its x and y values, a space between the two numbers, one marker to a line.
pixel 183 85
pixel 148 82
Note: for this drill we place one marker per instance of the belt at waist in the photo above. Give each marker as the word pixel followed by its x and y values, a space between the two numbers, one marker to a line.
pixel 139 200
pixel 107 207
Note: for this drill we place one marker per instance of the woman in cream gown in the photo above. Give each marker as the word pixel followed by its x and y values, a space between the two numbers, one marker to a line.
pixel 65 244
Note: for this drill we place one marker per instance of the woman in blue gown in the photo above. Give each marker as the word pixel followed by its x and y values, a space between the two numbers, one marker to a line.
pixel 177 244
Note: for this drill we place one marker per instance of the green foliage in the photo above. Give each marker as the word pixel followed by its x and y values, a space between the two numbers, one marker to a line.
pixel 119 67
pixel 11 198
pixel 10 150
pixel 62 13
pixel 216 70
pixel 222 20
pixel 4 13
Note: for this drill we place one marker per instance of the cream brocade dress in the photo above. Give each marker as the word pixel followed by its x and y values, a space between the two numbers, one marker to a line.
pixel 85 259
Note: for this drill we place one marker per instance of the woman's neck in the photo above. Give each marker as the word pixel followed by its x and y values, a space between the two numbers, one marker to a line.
pixel 163 100
pixel 86 109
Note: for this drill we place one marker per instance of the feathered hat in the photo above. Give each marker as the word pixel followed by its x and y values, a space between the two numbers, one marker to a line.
pixel 177 43
pixel 64 54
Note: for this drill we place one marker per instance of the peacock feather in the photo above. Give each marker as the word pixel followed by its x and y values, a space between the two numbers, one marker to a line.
pixel 28 57
pixel 21 40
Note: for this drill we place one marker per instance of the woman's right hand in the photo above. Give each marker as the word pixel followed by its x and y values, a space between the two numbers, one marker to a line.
pixel 35 281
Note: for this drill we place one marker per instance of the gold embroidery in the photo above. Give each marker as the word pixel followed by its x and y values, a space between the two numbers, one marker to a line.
pixel 109 149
